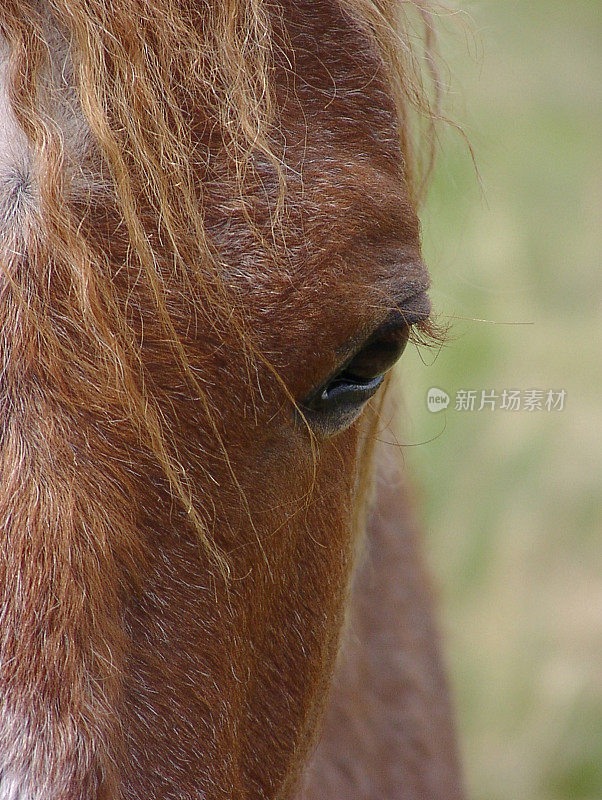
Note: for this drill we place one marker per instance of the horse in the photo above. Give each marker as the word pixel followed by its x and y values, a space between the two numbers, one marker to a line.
pixel 210 578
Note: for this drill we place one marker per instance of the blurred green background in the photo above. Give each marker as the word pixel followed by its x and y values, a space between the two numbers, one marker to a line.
pixel 511 500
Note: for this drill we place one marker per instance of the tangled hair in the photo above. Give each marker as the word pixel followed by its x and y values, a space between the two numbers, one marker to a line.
pixel 137 71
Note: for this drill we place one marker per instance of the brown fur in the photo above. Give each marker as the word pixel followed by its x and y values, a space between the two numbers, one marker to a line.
pixel 210 204
pixel 388 732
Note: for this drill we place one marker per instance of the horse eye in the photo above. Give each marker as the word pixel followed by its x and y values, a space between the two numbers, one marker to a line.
pixel 336 403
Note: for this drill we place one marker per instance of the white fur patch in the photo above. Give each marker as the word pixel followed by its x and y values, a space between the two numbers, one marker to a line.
pixel 11 789
pixel 13 144
pixel 62 111
pixel 15 157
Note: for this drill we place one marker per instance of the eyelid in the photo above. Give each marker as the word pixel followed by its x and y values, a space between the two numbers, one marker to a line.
pixel 412 310
pixel 415 308
pixel 399 318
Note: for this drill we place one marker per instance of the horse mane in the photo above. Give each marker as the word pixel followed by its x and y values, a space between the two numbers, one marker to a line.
pixel 106 101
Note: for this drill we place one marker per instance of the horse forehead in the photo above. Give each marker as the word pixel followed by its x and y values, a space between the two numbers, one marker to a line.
pixel 342 148
pixel 340 113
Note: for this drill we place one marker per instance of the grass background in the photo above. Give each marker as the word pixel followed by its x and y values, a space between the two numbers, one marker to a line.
pixel 511 501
